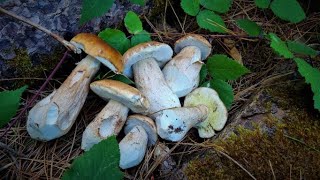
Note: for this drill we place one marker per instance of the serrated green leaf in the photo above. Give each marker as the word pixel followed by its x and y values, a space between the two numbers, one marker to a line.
pixel 9 104
pixel 100 162
pixel 289 10
pixel 262 3
pixel 141 37
pixel 203 73
pixel 207 19
pixel 92 9
pixel 250 27
pixel 133 23
pixel 220 6
pixel 301 48
pixel 122 78
pixel 115 38
pixel 139 2
pixel 312 77
pixel 224 68
pixel 190 7
pixel 224 90
pixel 279 46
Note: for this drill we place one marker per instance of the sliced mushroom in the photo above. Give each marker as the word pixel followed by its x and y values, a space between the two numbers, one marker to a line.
pixel 173 124
pixel 182 72
pixel 113 116
pixel 54 115
pixel 148 76
pixel 218 113
pixel 140 132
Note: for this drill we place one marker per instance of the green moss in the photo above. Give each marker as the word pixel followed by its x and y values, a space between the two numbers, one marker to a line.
pixel 290 147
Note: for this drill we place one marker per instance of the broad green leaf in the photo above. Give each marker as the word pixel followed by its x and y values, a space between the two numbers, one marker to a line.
pixel 9 104
pixel 220 6
pixel 100 162
pixel 250 27
pixel 209 20
pixel 122 78
pixel 141 37
pixel 279 46
pixel 133 23
pixel 92 9
pixel 262 3
pixel 190 7
pixel 289 10
pixel 139 2
pixel 115 38
pixel 203 73
pixel 224 90
pixel 312 77
pixel 301 48
pixel 224 68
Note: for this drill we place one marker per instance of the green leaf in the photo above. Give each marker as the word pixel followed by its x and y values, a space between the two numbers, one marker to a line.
pixel 203 73
pixel 312 77
pixel 209 20
pixel 220 6
pixel 279 46
pixel 250 27
pixel 190 7
pixel 92 9
pixel 122 78
pixel 100 162
pixel 115 38
pixel 224 90
pixel 289 10
pixel 224 68
pixel 262 3
pixel 9 104
pixel 141 37
pixel 139 2
pixel 133 23
pixel 301 48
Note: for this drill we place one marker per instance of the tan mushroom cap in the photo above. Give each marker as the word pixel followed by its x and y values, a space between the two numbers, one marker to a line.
pixel 122 93
pixel 194 40
pixel 145 122
pixel 96 47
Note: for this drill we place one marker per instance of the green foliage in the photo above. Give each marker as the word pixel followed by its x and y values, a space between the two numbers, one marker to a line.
pixel 301 48
pixel 122 78
pixel 209 20
pixel 133 23
pixel 289 10
pixel 190 7
pixel 220 6
pixel 224 68
pixel 312 77
pixel 262 3
pixel 139 2
pixel 140 37
pixel 203 73
pixel 279 46
pixel 115 38
pixel 9 104
pixel 100 162
pixel 250 27
pixel 92 9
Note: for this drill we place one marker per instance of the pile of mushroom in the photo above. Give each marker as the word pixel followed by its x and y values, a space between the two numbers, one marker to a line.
pixel 160 81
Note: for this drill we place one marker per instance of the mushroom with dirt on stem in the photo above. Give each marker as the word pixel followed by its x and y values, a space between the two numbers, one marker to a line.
pixel 112 117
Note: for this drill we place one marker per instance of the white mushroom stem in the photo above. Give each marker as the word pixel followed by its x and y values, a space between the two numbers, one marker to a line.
pixel 173 124
pixel 54 115
pixel 133 147
pixel 182 72
pixel 108 122
pixel 151 83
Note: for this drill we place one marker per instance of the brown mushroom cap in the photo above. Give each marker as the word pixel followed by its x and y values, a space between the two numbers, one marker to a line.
pixel 194 40
pixel 99 49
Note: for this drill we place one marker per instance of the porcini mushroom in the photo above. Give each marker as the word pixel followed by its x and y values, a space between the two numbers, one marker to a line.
pixel 182 72
pixel 218 113
pixel 53 116
pixel 140 132
pixel 113 116
pixel 173 124
pixel 148 76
